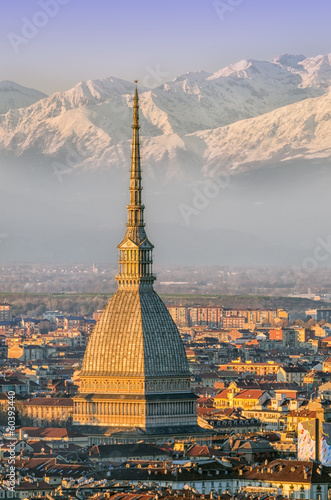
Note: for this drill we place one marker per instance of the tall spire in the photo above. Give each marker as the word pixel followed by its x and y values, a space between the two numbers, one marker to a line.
pixel 135 209
pixel 135 251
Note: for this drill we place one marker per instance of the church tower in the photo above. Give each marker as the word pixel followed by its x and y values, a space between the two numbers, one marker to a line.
pixel 135 372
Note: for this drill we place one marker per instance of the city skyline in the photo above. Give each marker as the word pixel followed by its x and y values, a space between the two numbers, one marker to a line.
pixel 203 369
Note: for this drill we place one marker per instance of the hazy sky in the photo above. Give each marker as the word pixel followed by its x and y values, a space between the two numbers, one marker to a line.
pixel 53 44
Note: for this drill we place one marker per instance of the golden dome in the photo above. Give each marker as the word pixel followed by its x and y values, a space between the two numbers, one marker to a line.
pixel 135 336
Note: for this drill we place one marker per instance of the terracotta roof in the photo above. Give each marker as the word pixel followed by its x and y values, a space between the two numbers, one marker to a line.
pixel 302 413
pixel 290 471
pixel 203 451
pixel 50 432
pixel 222 395
pixel 66 470
pixel 249 394
pixel 34 462
pixel 202 411
pixel 37 485
pixel 39 446
pixel 48 466
pixel 205 400
pixel 132 496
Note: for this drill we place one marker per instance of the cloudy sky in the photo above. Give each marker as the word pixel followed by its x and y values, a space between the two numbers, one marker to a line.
pixel 53 44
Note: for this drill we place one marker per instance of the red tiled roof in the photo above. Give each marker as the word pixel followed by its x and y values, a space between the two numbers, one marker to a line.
pixel 49 432
pixel 203 451
pixel 204 411
pixel 37 485
pixel 302 413
pixel 222 394
pixel 249 394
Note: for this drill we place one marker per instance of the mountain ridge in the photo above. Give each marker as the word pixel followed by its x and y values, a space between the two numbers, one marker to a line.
pixel 181 120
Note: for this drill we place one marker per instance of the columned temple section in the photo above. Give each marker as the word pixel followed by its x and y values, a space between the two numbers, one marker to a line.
pixel 135 376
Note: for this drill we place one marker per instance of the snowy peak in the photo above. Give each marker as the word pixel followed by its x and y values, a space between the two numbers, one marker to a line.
pixel 189 77
pixel 14 96
pixel 288 61
pixel 239 69
pixel 193 120
pixel 95 91
pixel 316 71
pixel 313 71
pixel 256 69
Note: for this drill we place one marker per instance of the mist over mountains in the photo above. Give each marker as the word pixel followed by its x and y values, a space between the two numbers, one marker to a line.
pixel 236 166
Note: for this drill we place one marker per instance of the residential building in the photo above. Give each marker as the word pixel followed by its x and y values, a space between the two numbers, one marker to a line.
pixel 268 368
pixel 5 312
pixel 292 374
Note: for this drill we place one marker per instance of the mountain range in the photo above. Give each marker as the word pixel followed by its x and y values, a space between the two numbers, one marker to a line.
pixel 208 119
pixel 248 120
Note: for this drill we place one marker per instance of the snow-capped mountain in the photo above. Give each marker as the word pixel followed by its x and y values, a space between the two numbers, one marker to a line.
pixel 251 111
pixel 314 71
pixel 242 118
pixel 13 96
pixel 300 130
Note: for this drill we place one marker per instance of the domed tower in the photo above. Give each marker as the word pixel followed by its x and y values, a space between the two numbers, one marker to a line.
pixel 135 372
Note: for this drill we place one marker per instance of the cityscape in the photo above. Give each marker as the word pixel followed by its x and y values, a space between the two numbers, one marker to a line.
pixel 165 284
